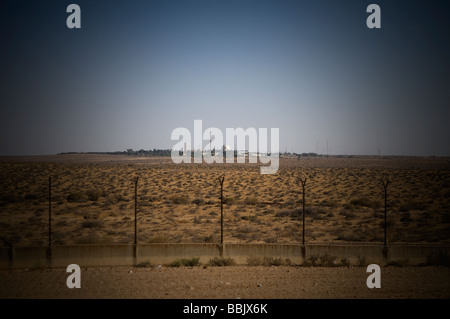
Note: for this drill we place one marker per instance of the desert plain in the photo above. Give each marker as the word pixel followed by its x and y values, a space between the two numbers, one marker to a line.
pixel 93 200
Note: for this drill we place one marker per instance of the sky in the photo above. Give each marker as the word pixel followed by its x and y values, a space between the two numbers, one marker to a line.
pixel 137 70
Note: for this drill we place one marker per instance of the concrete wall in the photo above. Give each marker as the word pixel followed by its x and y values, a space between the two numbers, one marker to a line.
pixel 370 254
pixel 124 255
pixel 92 255
pixel 166 253
pixel 5 257
pixel 240 252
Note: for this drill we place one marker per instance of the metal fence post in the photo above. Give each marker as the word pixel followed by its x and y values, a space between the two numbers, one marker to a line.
pixel 221 179
pixel 135 209
pixel 303 202
pixel 49 211
pixel 385 185
pixel 49 248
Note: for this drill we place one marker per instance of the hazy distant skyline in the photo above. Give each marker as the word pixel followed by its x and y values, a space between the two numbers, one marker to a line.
pixel 136 70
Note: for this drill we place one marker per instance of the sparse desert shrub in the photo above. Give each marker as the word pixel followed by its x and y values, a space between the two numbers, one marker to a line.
pixel 406 217
pixel 229 201
pixel 195 261
pixel 329 203
pixel 208 239
pixel 288 203
pixel 193 210
pixel 250 218
pixel 93 195
pixel 362 261
pixel 92 238
pixel 213 213
pixel 152 199
pixel 198 201
pixel 221 261
pixel 315 213
pixel 92 224
pixel 398 263
pixel 326 261
pixel 292 213
pixel 268 261
pixel 121 198
pixel 243 236
pixel 10 199
pixel 180 199
pixel 347 214
pixel 364 202
pixel 33 196
pixel 62 223
pixel 254 261
pixel 124 206
pixel 111 232
pixel 77 197
pixel 113 214
pixel 34 219
pixel 350 237
pixel 109 202
pixel 251 201
pixel 144 264
pixel 246 229
pixel 344 262
pixel 411 205
pixel 157 240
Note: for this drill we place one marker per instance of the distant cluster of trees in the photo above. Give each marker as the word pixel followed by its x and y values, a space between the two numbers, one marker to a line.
pixel 159 152
pixel 303 154
pixel 131 152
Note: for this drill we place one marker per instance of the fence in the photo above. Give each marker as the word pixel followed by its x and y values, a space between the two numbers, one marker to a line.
pixel 130 214
pixel 359 219
pixel 129 255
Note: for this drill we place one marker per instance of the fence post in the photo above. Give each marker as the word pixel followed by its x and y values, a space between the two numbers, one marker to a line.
pixel 49 249
pixel 385 185
pixel 221 179
pixel 49 211
pixel 303 202
pixel 135 209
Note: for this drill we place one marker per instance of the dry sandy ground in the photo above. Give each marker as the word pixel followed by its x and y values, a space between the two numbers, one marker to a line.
pixel 93 200
pixel 246 282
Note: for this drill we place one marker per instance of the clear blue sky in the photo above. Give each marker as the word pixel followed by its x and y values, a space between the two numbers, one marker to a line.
pixel 136 70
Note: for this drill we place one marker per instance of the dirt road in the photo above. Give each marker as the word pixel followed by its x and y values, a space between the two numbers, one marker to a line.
pixel 227 283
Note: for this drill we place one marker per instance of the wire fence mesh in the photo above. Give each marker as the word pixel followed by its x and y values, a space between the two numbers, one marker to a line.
pixel 95 204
